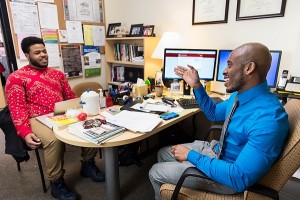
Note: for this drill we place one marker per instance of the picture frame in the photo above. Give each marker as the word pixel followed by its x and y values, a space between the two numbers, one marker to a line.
pixel 148 31
pixel 251 9
pixel 111 30
pixel 210 12
pixel 136 30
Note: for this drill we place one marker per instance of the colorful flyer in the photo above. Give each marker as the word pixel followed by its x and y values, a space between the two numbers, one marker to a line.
pixel 92 61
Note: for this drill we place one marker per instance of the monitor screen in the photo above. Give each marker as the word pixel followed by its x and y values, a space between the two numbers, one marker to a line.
pixel 222 63
pixel 273 71
pixel 271 76
pixel 203 60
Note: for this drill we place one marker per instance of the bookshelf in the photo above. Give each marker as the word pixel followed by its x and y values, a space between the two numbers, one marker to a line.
pixel 149 65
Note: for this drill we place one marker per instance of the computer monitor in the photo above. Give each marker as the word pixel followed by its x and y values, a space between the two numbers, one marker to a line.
pixel 203 60
pixel 271 76
pixel 273 71
pixel 222 63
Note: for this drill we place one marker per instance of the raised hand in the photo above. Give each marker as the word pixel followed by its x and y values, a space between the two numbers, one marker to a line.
pixel 190 75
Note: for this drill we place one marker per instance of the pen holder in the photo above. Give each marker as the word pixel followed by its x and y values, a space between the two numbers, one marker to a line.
pixel 159 90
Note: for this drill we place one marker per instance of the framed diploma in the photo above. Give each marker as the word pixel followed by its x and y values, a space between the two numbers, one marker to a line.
pixel 257 9
pixel 210 12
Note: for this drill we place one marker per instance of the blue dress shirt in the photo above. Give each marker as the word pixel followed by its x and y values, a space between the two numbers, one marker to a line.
pixel 256 136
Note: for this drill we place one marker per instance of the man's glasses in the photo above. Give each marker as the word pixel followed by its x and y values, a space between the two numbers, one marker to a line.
pixel 93 123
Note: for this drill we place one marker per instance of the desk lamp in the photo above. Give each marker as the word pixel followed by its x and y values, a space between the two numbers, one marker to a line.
pixel 168 40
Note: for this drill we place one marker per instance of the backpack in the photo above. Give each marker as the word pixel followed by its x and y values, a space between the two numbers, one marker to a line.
pixel 14 145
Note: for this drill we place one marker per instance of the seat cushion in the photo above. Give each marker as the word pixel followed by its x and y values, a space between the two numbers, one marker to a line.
pixel 166 191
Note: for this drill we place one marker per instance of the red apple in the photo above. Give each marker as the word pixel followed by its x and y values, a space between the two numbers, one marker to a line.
pixel 82 116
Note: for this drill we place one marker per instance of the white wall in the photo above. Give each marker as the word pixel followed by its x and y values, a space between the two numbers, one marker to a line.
pixel 281 33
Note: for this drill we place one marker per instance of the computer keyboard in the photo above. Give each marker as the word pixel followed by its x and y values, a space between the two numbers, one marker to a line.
pixel 188 103
pixel 192 103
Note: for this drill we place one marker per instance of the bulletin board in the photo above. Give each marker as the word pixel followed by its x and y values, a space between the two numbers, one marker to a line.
pixel 61 22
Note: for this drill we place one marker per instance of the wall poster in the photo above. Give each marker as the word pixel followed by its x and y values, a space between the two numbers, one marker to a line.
pixel 71 58
pixel 92 61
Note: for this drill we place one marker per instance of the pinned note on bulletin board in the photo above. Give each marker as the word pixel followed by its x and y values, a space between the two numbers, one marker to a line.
pixel 26 20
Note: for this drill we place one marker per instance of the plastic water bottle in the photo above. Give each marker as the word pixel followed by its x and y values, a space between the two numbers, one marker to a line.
pixel 102 99
pixel 175 88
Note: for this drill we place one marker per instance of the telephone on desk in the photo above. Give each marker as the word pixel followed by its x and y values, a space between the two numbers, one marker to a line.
pixel 288 89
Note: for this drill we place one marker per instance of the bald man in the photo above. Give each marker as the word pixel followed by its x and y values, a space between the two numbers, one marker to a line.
pixel 254 138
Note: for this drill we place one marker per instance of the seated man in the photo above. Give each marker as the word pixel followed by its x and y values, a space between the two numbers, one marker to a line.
pixel 32 91
pixel 254 137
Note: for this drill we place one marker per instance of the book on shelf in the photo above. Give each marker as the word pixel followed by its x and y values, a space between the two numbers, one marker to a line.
pixel 128 52
pixel 97 134
pixel 56 121
pixel 117 72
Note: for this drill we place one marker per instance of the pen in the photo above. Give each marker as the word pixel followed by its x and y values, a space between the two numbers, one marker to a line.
pixel 143 105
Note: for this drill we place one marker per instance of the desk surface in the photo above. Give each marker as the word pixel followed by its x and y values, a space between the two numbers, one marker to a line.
pixel 125 138
pixel 128 136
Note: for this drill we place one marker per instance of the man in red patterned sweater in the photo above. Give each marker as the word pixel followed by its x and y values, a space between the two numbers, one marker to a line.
pixel 32 91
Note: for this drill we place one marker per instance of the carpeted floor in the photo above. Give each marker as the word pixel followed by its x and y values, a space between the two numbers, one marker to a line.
pixel 134 181
pixel 15 185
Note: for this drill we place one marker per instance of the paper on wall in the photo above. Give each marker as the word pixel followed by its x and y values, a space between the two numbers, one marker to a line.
pixel 74 30
pixel 98 35
pixel 48 15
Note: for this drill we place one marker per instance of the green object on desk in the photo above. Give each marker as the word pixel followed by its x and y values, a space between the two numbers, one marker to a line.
pixel 147 82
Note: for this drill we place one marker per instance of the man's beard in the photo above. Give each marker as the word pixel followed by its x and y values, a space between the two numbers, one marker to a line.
pixel 37 64
pixel 237 85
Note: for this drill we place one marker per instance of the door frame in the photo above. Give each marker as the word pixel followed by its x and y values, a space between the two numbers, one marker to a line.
pixel 7 38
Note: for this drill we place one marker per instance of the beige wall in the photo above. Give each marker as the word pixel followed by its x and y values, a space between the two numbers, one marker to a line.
pixel 73 81
pixel 281 33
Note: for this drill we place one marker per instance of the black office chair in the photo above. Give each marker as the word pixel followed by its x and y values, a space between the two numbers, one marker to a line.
pixel 16 146
pixel 40 169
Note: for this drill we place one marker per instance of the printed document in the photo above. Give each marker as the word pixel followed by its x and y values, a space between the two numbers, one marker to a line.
pixel 134 121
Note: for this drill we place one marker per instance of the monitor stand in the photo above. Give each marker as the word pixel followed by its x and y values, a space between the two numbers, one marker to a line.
pixel 186 88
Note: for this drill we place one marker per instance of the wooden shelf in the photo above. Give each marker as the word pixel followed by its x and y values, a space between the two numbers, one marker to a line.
pixel 137 64
pixel 126 38
pixel 150 65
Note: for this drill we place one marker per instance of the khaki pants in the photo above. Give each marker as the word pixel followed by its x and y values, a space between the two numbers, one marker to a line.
pixel 54 150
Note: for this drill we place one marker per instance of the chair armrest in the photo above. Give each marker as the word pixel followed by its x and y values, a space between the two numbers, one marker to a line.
pixel 264 190
pixel 213 128
pixel 191 171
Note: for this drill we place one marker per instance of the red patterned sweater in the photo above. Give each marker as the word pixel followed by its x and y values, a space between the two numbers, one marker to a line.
pixel 31 92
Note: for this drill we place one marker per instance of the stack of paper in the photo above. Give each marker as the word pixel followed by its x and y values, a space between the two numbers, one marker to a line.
pixel 148 106
pixel 134 121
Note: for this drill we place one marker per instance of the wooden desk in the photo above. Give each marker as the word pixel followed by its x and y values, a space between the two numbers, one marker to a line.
pixel 110 149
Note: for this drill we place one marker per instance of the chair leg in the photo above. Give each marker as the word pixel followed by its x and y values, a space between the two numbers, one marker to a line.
pixel 100 153
pixel 19 167
pixel 41 169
